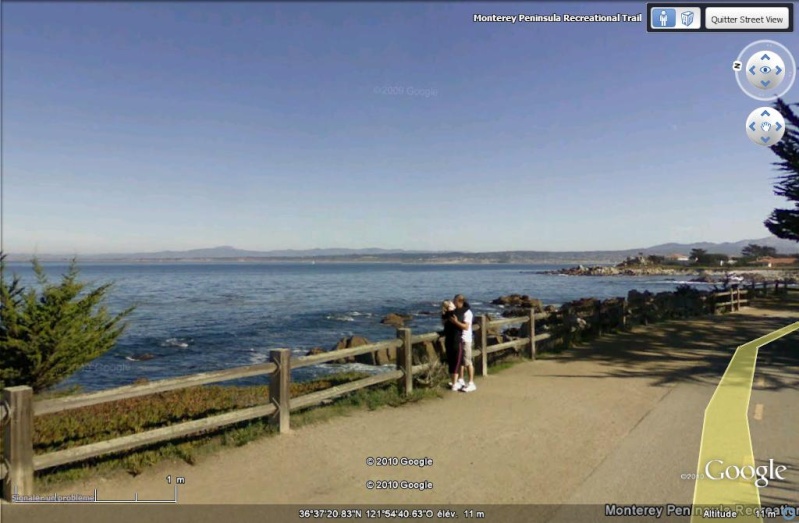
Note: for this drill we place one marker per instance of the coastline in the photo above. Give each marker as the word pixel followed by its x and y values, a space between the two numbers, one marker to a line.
pixel 312 261
pixel 701 274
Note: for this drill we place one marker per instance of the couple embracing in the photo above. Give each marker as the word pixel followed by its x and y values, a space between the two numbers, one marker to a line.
pixel 456 315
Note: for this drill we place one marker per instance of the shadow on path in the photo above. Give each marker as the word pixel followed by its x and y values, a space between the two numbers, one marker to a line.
pixel 780 492
pixel 698 350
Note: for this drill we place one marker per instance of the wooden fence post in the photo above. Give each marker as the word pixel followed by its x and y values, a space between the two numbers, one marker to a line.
pixel 405 360
pixel 596 319
pixel 483 322
pixel 279 388
pixel 18 441
pixel 568 323
pixel 624 314
pixel 532 333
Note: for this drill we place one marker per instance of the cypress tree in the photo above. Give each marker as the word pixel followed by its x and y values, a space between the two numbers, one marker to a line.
pixel 49 333
pixel 784 223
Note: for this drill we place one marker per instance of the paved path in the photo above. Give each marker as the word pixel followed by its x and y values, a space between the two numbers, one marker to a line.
pixel 616 421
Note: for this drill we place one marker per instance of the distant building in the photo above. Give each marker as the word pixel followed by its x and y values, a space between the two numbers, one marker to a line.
pixel 769 261
pixel 678 258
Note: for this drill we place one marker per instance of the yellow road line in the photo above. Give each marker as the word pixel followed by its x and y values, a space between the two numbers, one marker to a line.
pixel 726 436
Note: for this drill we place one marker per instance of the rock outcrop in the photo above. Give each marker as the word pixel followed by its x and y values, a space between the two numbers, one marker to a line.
pixel 425 352
pixel 352 342
pixel 396 320
pixel 518 301
pixel 605 270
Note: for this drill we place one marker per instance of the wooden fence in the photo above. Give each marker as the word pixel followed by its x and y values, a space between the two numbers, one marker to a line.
pixel 19 408
pixel 732 300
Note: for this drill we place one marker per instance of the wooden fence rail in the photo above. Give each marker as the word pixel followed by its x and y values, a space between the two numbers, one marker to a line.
pixel 19 408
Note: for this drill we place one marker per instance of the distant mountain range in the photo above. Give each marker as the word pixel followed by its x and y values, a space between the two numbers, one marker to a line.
pixel 729 248
pixel 232 252
pixel 399 255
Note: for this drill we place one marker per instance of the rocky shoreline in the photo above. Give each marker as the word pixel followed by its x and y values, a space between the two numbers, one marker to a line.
pixel 696 275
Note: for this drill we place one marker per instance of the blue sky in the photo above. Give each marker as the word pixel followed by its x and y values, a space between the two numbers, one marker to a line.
pixel 150 126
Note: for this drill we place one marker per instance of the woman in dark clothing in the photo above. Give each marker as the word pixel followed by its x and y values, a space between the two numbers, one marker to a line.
pixel 452 342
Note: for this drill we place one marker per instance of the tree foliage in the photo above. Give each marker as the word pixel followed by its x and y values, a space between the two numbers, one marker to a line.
pixel 784 223
pixel 49 333
pixel 714 259
pixel 702 257
pixel 754 251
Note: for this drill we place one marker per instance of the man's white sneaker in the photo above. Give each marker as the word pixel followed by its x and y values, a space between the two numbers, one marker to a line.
pixel 461 383
pixel 456 387
pixel 471 387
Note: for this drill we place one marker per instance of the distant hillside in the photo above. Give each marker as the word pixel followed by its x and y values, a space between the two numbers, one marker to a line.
pixel 232 252
pixel 402 256
pixel 213 253
pixel 782 246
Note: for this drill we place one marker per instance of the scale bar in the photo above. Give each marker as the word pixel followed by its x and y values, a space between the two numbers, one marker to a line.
pixel 96 500
pixel 131 501
pixel 135 499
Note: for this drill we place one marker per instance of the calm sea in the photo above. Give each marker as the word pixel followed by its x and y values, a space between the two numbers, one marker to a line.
pixel 196 317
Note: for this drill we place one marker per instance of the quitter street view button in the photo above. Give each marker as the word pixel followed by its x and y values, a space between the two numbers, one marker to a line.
pixel 747 18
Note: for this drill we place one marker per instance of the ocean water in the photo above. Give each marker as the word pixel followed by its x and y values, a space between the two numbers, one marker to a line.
pixel 198 317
